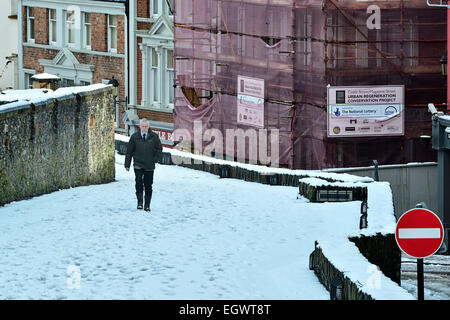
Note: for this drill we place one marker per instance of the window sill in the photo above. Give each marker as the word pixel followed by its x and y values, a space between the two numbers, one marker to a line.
pixel 155 109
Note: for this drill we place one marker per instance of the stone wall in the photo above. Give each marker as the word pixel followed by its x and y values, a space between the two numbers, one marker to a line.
pixel 381 250
pixel 56 144
pixel 326 272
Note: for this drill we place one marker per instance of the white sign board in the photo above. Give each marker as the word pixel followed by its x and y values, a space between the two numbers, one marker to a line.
pixel 365 111
pixel 250 101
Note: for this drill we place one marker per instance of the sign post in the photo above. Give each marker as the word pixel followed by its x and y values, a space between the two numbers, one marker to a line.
pixel 365 111
pixel 419 234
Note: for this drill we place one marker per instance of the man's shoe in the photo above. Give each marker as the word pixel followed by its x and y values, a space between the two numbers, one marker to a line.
pixel 140 200
pixel 148 199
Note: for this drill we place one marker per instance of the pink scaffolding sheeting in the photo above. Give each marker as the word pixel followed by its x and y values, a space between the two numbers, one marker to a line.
pixel 298 48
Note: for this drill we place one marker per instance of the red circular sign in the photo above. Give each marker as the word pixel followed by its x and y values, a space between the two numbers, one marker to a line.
pixel 419 233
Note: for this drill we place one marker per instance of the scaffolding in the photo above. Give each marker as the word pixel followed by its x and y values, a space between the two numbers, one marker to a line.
pixel 298 47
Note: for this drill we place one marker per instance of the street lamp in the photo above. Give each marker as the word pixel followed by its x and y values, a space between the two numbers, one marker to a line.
pixel 117 101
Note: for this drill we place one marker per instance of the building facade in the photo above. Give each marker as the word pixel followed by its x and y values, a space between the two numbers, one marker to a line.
pixel 82 42
pixel 248 66
pixel 152 65
pixel 91 41
pixel 9 47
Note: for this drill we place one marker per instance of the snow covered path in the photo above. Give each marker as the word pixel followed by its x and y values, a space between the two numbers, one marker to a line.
pixel 205 238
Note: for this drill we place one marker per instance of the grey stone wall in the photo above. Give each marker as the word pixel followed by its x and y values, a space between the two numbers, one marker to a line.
pixel 56 144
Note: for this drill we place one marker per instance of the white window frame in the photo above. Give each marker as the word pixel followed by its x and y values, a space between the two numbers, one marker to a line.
pixel 67 27
pixel 110 49
pixel 52 21
pixel 65 78
pixel 155 73
pixel 85 33
pixel 28 82
pixel 161 8
pixel 30 19
pixel 162 86
pixel 169 86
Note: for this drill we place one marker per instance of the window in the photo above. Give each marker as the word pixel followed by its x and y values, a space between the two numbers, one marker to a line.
pixel 157 83
pixel 67 82
pixel 112 33
pixel 30 24
pixel 155 76
pixel 87 30
pixel 28 81
pixel 52 26
pixel 158 7
pixel 155 7
pixel 70 28
pixel 169 76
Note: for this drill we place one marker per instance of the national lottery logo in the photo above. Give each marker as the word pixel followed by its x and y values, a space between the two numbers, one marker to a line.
pixel 336 112
pixel 391 110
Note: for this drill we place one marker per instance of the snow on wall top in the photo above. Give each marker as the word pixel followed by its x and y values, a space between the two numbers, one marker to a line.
pixel 13 99
pixel 45 76
pixel 344 255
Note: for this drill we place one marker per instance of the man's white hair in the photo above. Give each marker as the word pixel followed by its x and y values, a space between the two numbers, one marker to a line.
pixel 143 120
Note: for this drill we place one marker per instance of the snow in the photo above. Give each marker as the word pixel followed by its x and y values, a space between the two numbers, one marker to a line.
pixel 202 240
pixel 25 95
pixel 261 169
pixel 344 255
pixel 39 95
pixel 316 182
pixel 45 76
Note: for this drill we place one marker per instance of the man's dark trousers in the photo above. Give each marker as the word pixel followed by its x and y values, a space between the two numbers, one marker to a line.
pixel 144 180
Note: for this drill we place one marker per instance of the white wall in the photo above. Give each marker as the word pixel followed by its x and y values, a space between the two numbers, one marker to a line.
pixel 8 43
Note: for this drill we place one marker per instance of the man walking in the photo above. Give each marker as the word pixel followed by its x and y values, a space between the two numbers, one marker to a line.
pixel 145 148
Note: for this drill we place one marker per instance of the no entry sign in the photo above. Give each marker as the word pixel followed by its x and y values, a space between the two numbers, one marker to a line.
pixel 419 233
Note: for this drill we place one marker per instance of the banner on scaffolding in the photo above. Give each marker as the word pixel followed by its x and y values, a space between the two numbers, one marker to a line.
pixel 365 111
pixel 250 101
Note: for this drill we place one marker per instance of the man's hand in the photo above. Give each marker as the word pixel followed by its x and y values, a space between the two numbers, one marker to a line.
pixel 128 169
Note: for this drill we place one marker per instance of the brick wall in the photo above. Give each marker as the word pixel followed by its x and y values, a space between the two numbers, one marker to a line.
pixel 41 33
pixel 105 66
pixel 143 8
pixel 139 71
pixel 120 34
pixel 155 115
pixel 25 24
pixel 99 35
pixel 31 56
